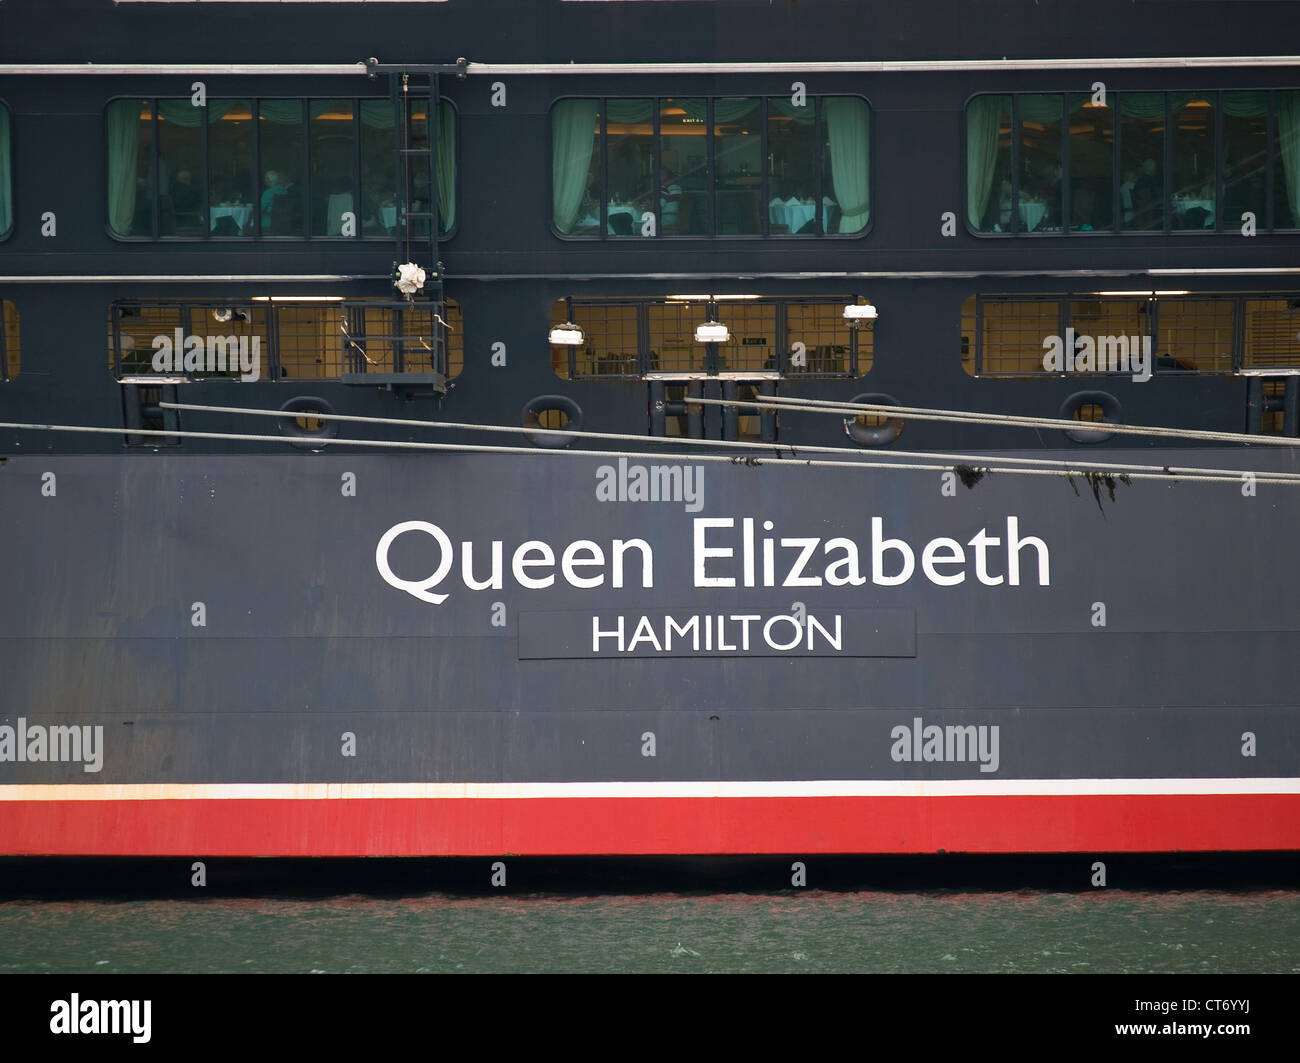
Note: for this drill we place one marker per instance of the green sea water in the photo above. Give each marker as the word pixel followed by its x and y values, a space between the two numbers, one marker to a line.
pixel 919 931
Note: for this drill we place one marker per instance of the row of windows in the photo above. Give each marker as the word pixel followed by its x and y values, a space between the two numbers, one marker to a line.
pixel 1001 335
pixel 259 167
pixel 753 166
pixel 1036 163
pixel 1116 334
pixel 635 337
pixel 1133 161
pixel 296 339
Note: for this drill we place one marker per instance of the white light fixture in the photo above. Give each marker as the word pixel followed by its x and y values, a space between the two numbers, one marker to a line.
pixel 858 312
pixel 711 332
pixel 298 298
pixel 1146 294
pixel 223 313
pixel 567 335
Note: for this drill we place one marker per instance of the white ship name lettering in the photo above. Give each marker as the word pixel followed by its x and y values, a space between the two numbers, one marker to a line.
pixel 585 564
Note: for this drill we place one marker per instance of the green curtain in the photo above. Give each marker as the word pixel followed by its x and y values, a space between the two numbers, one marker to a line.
pixel 724 111
pixel 1245 103
pixel 781 105
pixel 728 111
pixel 6 173
pixel 848 128
pixel 183 113
pixel 627 111
pixel 1151 105
pixel 1039 107
pixel 983 123
pixel 573 139
pixel 122 132
pixel 280 112
pixel 378 114
pixel 446 166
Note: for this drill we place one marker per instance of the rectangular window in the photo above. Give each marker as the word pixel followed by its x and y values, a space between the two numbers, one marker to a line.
pixel 454 330
pixel 320 168
pixel 671 332
pixel 753 344
pixel 286 339
pixel 1091 164
pixel 846 195
pixel 988 164
pixel 179 176
pixel 1109 317
pixel 738 166
pixel 1286 170
pixel 332 140
pixel 129 127
pixel 1133 162
pixel 830 347
pixel 793 151
pixel 1272 333
pixel 11 361
pixel 767 336
pixel 1196 335
pixel 611 344
pixel 1041 171
pixel 232 202
pixel 577 148
pixel 1193 197
pixel 684 167
pixel 281 158
pixel 680 166
pixel 629 183
pixel 1245 157
pixel 6 175
pixel 1201 333
pixel 1142 155
pixel 1011 335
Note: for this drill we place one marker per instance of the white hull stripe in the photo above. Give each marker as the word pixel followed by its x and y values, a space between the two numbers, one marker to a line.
pixel 552 790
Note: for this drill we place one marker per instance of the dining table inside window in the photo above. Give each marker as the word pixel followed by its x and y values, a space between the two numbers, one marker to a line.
pixel 1031 213
pixel 242 213
pixel 794 214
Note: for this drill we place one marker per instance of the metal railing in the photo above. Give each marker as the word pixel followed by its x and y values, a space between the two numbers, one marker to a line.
pixel 277 338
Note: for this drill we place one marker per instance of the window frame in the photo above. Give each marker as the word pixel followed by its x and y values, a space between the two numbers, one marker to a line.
pixel 13 212
pixel 7 377
pixel 1263 225
pixel 656 170
pixel 257 237
pixel 714 308
pixel 1239 360
pixel 270 309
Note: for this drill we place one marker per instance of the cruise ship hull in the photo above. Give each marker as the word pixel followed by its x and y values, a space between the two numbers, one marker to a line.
pixel 593 654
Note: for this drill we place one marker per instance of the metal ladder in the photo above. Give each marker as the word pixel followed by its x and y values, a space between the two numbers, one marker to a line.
pixel 415 236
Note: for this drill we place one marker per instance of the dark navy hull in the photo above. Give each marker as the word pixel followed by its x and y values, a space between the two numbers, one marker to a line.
pixel 262 689
pixel 234 645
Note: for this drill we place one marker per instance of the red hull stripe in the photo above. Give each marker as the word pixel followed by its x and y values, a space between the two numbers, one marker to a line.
pixel 641 826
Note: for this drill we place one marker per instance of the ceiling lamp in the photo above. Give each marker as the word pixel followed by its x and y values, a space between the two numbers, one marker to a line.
pixel 858 313
pixel 711 332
